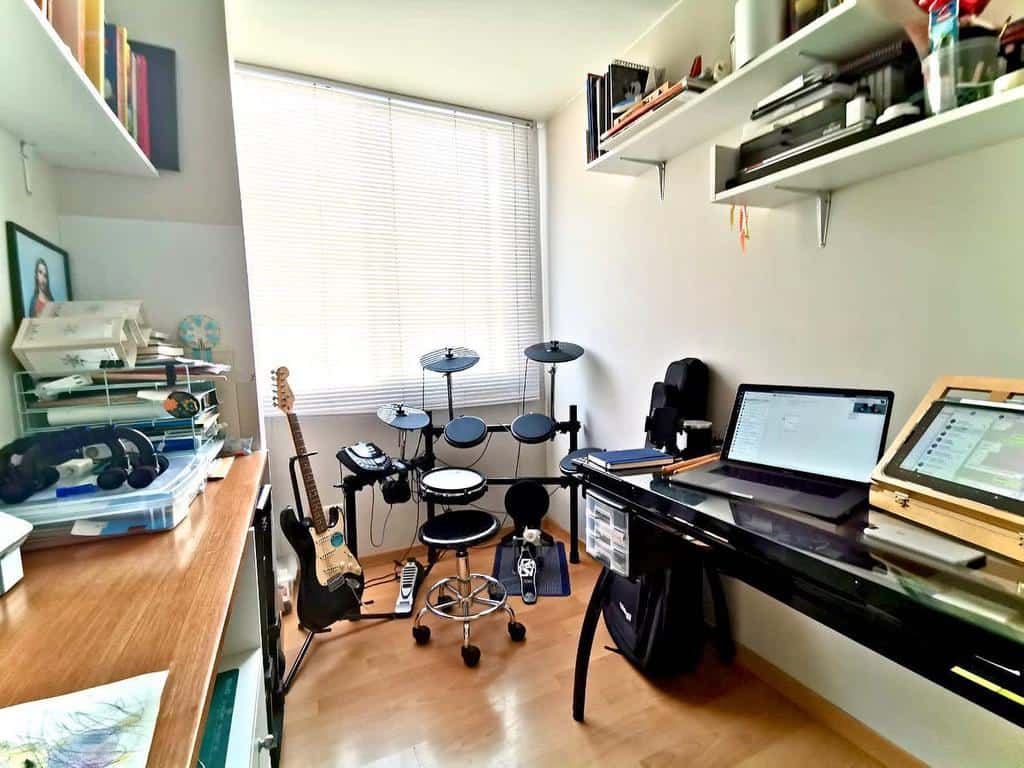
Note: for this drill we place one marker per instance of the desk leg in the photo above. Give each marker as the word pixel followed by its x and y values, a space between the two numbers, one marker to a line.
pixel 723 625
pixel 590 619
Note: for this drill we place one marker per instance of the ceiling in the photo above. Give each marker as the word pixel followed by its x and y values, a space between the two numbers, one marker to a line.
pixel 525 59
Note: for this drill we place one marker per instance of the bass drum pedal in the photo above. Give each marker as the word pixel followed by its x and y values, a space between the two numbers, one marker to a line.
pixel 527 565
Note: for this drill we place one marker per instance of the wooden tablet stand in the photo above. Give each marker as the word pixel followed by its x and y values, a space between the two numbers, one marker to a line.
pixel 966 519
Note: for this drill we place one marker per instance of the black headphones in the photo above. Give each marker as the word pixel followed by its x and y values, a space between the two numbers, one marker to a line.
pixel 139 469
pixel 23 470
pixel 396 490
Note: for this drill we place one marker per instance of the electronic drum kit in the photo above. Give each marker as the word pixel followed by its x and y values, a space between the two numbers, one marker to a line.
pixel 456 485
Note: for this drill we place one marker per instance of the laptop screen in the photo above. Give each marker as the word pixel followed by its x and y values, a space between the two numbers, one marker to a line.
pixel 833 433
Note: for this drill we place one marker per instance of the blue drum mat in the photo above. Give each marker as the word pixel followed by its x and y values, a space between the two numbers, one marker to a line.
pixel 552 576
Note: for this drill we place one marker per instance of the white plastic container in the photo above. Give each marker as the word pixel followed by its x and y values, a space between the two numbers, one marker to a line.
pixel 122 512
pixel 759 24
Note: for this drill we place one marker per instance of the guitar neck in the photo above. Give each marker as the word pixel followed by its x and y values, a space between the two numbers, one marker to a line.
pixel 316 510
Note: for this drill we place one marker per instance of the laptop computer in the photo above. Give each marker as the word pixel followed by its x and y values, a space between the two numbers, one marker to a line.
pixel 806 448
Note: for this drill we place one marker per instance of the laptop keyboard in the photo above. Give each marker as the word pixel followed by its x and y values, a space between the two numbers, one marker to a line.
pixel 813 487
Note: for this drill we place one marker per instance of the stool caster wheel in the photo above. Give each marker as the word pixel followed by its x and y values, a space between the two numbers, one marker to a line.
pixel 516 631
pixel 470 655
pixel 421 634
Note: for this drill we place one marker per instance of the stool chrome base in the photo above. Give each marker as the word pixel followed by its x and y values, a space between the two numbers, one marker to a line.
pixel 466 597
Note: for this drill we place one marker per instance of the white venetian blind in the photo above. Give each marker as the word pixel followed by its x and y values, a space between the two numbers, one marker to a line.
pixel 379 229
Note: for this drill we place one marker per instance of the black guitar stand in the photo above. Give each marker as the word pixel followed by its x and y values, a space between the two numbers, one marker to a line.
pixel 350 485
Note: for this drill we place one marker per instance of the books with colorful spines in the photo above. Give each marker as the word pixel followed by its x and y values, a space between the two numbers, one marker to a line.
pixel 633 458
pixel 94 42
pixel 69 23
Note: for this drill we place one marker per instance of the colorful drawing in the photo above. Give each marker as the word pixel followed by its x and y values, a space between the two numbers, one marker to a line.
pixel 110 726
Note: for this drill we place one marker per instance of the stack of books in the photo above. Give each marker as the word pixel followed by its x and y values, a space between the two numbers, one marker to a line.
pixel 630 460
pixel 102 49
pixel 609 96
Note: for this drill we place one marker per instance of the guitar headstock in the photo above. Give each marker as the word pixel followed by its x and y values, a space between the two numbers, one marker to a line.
pixel 284 398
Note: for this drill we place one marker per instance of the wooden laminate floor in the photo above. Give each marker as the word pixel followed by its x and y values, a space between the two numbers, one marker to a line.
pixel 369 696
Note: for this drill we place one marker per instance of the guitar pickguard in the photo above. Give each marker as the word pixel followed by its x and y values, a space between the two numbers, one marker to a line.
pixel 334 560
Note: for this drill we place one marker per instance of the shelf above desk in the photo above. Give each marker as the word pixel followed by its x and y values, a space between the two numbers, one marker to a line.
pixel 47 101
pixel 852 28
pixel 984 123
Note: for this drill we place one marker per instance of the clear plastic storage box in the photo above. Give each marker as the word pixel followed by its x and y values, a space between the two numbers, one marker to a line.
pixel 122 512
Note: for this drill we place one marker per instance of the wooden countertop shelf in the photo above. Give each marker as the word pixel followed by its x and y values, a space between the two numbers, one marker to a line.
pixel 96 613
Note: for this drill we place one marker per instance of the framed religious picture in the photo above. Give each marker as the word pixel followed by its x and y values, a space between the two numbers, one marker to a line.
pixel 39 272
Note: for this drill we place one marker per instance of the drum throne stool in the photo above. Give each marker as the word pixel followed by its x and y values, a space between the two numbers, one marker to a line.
pixel 466 596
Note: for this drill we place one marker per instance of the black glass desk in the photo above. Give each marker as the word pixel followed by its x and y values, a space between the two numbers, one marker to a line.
pixel 961 628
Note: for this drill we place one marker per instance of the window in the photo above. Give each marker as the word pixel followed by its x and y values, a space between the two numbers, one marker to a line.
pixel 378 229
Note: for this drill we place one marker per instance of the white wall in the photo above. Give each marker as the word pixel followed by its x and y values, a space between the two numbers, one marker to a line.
pixel 176 241
pixel 36 212
pixel 920 278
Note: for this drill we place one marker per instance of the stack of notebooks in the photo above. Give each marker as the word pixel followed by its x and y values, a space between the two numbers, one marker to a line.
pixel 630 460
pixel 627 96
pixel 609 96
pixel 160 353
pixel 119 73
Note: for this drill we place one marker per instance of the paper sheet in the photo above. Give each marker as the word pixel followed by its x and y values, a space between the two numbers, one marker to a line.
pixel 110 726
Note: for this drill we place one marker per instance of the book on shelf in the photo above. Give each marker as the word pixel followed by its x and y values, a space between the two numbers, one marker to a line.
pixel 626 84
pixel 642 116
pixel 94 43
pixel 110 66
pixel 161 349
pixel 142 104
pixel 161 102
pixel 592 107
pixel 122 75
pixel 633 458
pixel 69 23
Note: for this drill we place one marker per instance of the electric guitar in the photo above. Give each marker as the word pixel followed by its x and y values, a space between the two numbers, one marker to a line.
pixel 330 577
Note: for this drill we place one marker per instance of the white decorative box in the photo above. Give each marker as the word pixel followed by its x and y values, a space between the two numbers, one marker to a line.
pixel 59 345
pixel 12 534
pixel 130 309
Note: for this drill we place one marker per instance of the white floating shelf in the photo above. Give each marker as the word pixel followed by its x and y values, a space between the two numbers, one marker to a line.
pixel 46 100
pixel 984 123
pixel 846 31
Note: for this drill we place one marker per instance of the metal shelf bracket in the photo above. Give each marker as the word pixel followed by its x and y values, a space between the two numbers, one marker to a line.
pixel 660 165
pixel 824 198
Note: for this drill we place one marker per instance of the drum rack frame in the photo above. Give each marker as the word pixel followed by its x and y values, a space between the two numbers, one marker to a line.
pixel 351 484
pixel 573 483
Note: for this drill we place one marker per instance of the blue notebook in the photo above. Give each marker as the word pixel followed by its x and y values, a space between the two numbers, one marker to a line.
pixel 634 458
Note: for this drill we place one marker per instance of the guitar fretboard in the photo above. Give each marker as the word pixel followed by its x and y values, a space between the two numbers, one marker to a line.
pixel 316 511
